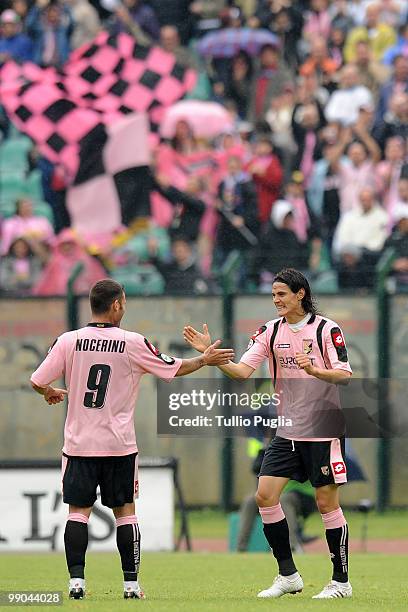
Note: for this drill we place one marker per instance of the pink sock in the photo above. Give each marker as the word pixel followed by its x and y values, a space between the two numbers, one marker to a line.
pixel 273 514
pixel 334 519
pixel 78 517
pixel 126 520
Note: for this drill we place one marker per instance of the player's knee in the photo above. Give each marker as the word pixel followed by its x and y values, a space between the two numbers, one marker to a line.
pixel 326 504
pixel 265 499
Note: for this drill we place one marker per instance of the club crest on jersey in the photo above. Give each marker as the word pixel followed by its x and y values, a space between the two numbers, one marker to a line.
pixel 307 346
pixel 255 335
pixel 165 358
pixel 325 470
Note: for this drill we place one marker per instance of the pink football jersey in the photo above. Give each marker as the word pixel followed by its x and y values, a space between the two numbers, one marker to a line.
pixel 102 365
pixel 304 399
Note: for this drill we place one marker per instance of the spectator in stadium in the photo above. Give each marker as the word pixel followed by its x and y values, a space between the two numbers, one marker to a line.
pixel 183 140
pixel 177 13
pixel 50 28
pixel 266 171
pixel 170 42
pixel 307 120
pixel 21 7
pixel 394 122
pixel 13 43
pixel 238 84
pixel 372 74
pixel 320 63
pixel 358 241
pixel 341 17
pixel 388 172
pixel 287 26
pixel 400 48
pixel 188 207
pixel 136 13
pixel 181 275
pixel 270 80
pixel 305 223
pixel 336 44
pixel 356 168
pixel 323 192
pixel 278 245
pixel 86 22
pixel 344 103
pixel 399 239
pixel 378 34
pixel 279 117
pixel 238 212
pixel 21 266
pixel 66 252
pixel 397 83
pixel 317 21
pixel 25 224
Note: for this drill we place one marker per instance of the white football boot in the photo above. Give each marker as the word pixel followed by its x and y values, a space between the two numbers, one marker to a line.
pixel 133 590
pixel 282 585
pixel 76 588
pixel 335 590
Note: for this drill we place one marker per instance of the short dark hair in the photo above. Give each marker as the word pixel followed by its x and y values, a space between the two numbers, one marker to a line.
pixel 103 294
pixel 295 280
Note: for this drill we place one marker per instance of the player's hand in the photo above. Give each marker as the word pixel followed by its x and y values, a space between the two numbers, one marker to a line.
pixel 214 356
pixel 304 363
pixel 54 396
pixel 198 341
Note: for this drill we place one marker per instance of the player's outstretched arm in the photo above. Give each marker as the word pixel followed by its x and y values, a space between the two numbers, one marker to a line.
pixel 200 341
pixel 51 394
pixel 212 356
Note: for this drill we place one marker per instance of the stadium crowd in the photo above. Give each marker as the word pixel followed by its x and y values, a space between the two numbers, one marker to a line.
pixel 310 169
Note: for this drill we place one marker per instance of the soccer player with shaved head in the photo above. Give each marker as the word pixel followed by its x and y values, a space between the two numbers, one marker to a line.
pixel 102 365
pixel 307 359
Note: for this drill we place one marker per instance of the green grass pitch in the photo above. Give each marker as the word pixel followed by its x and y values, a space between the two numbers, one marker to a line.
pixel 210 582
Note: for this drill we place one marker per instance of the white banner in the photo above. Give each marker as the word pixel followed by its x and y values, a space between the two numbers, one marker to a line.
pixel 33 515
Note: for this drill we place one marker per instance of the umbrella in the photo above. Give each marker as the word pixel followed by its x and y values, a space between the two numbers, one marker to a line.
pixel 229 41
pixel 207 119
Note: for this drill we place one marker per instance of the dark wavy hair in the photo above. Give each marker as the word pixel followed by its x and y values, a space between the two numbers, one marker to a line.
pixel 296 281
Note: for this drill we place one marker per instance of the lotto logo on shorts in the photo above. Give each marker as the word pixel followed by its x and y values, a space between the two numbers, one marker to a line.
pixel 339 467
pixel 136 487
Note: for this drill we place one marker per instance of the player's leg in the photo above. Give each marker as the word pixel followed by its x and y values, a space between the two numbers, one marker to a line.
pixel 76 543
pixel 279 463
pixel 119 486
pixel 327 472
pixel 79 484
pixel 128 543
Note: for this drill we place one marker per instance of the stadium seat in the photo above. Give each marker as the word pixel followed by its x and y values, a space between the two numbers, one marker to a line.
pixel 33 186
pixel 13 154
pixel 12 186
pixel 139 280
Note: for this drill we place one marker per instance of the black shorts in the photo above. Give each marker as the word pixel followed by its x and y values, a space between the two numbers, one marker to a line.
pixel 320 462
pixel 116 476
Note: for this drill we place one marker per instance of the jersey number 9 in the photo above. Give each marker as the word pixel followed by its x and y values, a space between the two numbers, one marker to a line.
pixel 98 381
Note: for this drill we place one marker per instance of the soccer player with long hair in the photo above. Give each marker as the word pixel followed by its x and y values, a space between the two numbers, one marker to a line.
pixel 307 359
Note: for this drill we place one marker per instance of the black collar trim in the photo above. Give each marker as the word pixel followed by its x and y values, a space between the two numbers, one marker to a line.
pixel 101 325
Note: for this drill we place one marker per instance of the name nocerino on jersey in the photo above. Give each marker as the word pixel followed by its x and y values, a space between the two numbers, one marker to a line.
pixel 103 346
